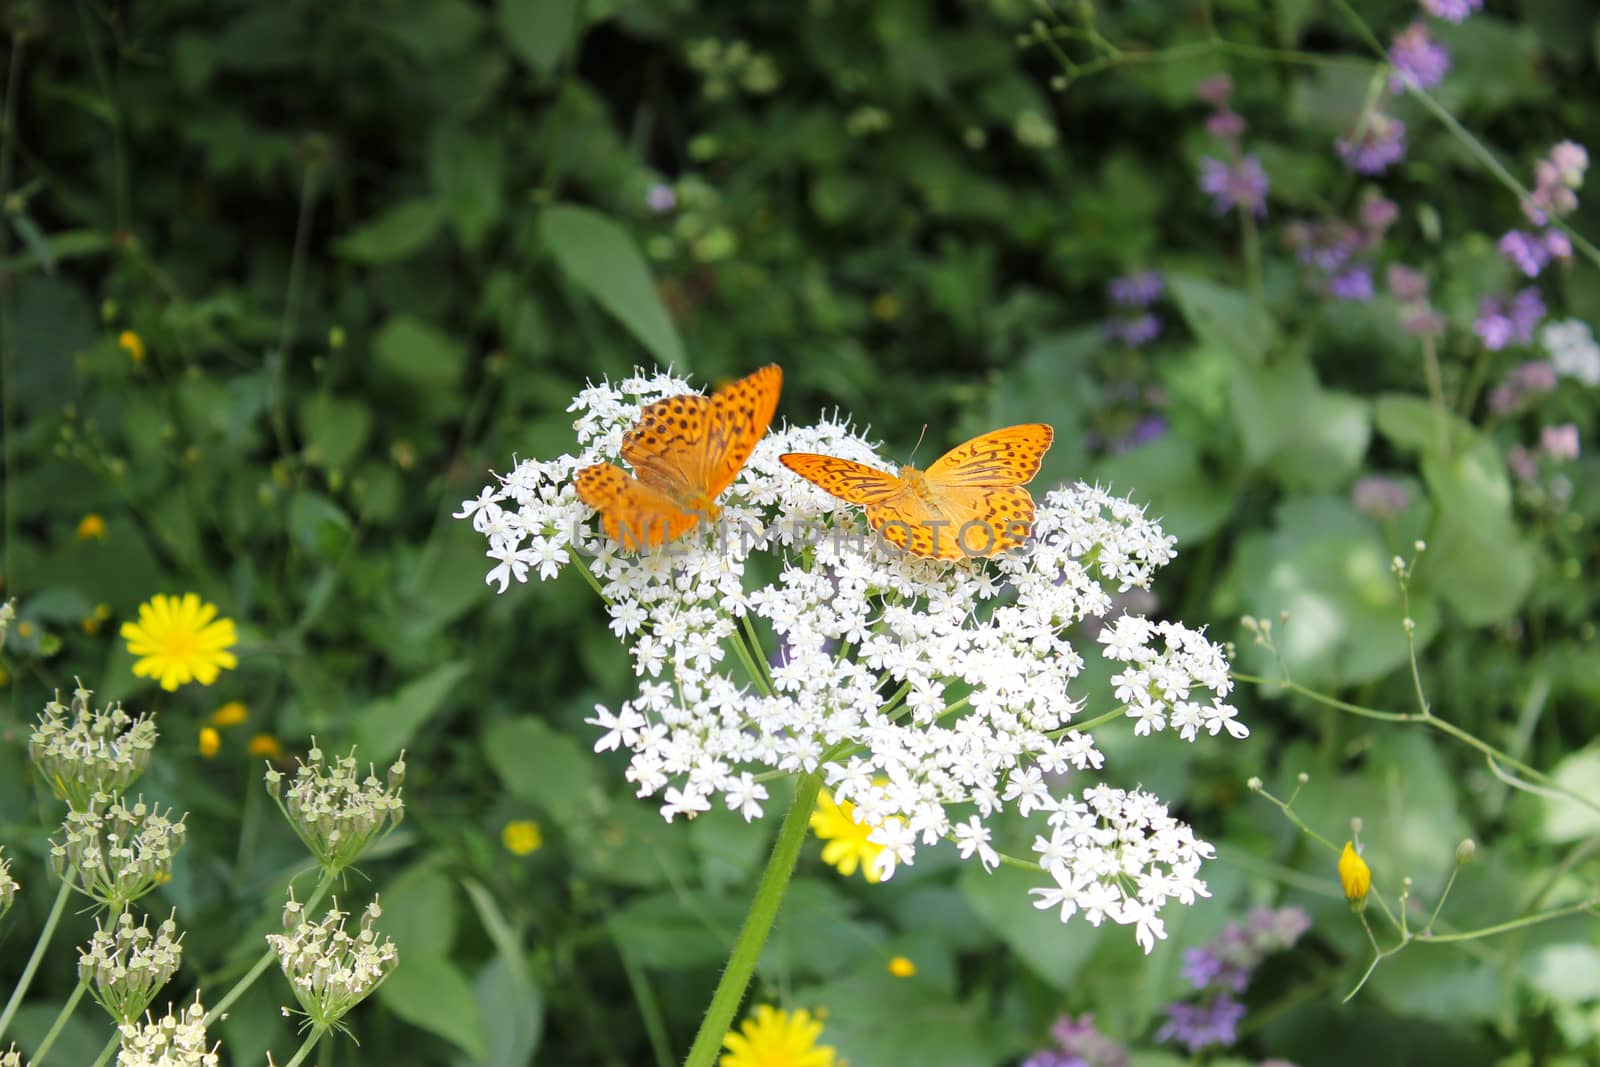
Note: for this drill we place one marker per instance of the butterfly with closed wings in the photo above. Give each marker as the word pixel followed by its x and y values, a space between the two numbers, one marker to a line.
pixel 684 450
pixel 969 503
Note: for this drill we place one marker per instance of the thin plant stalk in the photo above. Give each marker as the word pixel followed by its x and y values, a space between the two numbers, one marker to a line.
pixel 61 1020
pixel 269 956
pixel 317 1034
pixel 38 954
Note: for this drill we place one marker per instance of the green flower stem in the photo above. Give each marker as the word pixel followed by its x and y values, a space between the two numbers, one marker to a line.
pixel 38 954
pixel 1427 718
pixel 107 1052
pixel 267 957
pixel 317 1034
pixel 757 925
pixel 61 1020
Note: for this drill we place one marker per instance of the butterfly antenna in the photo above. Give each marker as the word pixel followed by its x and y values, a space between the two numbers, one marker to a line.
pixel 918 445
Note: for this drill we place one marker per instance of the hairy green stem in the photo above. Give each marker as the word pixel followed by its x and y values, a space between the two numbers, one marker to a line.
pixel 757 925
pixel 38 954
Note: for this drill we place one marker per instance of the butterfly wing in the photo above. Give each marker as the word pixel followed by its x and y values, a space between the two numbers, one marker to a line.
pixel 1008 456
pixel 983 520
pixel 739 415
pixel 852 482
pixel 631 512
pixel 915 525
pixel 667 446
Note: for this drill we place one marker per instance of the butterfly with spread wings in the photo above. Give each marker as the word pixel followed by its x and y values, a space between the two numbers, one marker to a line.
pixel 684 450
pixel 969 503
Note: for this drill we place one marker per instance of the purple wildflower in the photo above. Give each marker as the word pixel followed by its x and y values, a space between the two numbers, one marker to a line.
pixel 1422 321
pixel 1570 160
pixel 1500 323
pixel 1526 251
pixel 1242 184
pixel 1419 61
pixel 1198 1026
pixel 1451 10
pixel 1215 90
pixel 1378 213
pixel 1558 244
pixel 1523 464
pixel 1201 966
pixel 1136 290
pixel 1147 429
pixel 1353 284
pixel 1225 124
pixel 1135 332
pixel 1406 284
pixel 1379 497
pixel 1377 143
pixel 1560 442
pixel 1078 1038
pixel 1556 177
pixel 660 198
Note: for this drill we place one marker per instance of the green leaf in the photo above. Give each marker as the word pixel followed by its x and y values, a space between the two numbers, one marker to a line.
pixel 334 429
pixel 1411 423
pixel 543 767
pixel 1188 501
pixel 1052 949
pixel 678 929
pixel 505 995
pixel 419 912
pixel 469 174
pixel 1564 818
pixel 1271 404
pixel 385 726
pixel 1337 428
pixel 415 352
pixel 1224 318
pixel 36 241
pixel 538 31
pixel 428 992
pixel 600 258
pixel 1476 558
pixel 399 232
pixel 1328 567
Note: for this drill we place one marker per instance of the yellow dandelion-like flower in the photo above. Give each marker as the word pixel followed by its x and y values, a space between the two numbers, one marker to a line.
pixel 230 714
pixel 776 1038
pixel 180 640
pixel 265 746
pixel 132 344
pixel 1355 876
pixel 210 742
pixel 92 527
pixel 846 846
pixel 522 837
pixel 901 967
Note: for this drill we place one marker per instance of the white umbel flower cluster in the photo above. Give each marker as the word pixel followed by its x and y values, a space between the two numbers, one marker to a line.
pixel 331 970
pixel 170 1041
pixel 931 696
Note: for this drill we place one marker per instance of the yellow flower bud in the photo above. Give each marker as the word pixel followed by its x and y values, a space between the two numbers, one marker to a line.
pixel 1355 876
pixel 901 967
pixel 210 742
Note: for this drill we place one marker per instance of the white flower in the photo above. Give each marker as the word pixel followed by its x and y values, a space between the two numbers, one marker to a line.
pixel 922 691
pixel 1573 351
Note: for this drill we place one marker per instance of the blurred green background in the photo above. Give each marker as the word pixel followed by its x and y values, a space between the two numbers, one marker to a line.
pixel 370 251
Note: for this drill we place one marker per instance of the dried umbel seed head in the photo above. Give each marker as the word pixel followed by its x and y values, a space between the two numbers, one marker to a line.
pixel 329 969
pixel 335 811
pixel 126 966
pixel 81 750
pixel 115 852
pixel 170 1041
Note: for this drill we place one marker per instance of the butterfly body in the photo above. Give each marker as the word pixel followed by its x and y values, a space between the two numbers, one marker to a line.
pixel 684 451
pixel 970 502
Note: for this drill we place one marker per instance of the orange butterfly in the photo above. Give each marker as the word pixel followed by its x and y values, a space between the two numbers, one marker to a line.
pixel 970 502
pixel 684 450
